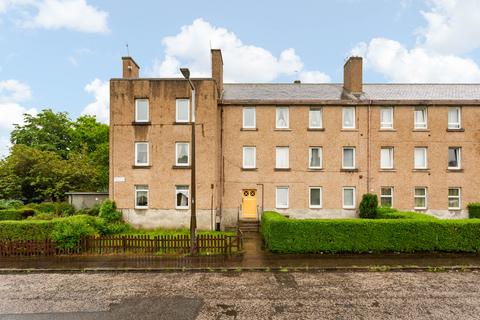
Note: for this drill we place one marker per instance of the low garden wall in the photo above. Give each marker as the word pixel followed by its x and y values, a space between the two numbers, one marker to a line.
pixel 393 232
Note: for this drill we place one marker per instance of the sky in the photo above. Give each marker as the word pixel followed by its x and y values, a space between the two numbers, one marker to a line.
pixel 60 54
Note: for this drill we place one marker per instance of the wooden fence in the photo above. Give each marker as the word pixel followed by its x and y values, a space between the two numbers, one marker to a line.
pixel 137 244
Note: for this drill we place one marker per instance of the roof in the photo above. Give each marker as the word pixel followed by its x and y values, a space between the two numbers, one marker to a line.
pixel 334 92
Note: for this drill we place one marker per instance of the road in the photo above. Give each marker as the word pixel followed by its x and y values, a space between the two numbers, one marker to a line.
pixel 241 295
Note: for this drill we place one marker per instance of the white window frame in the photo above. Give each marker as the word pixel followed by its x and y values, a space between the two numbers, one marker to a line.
pixel 425 149
pixel 315 206
pixel 277 112
pixel 136 154
pixel 420 125
pixel 382 196
pixel 354 198
pixel 415 196
pixel 188 195
pixel 276 198
pixel 454 125
pixel 319 109
pixel 245 109
pixel 459 197
pixel 276 158
pixel 392 159
pixel 177 144
pixel 136 110
pixel 177 108
pixel 343 158
pixel 254 157
pixel 459 158
pixel 386 125
pixel 310 157
pixel 344 109
pixel 141 188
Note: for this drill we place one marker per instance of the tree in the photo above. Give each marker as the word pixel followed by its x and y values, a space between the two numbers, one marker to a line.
pixel 368 206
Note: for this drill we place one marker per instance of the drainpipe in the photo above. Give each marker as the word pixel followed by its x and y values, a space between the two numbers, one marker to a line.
pixel 369 160
pixel 263 188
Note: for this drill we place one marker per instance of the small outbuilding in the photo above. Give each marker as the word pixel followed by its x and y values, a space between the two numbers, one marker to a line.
pixel 85 200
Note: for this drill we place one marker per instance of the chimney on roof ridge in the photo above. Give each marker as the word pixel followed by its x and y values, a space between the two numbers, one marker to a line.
pixel 130 68
pixel 352 75
pixel 217 69
pixel 297 81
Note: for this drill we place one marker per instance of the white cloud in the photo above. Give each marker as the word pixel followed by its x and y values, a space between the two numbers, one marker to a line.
pixel 101 92
pixel 314 77
pixel 453 26
pixel 76 15
pixel 242 62
pixel 12 93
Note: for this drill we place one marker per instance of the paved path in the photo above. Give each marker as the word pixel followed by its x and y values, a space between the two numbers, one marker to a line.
pixel 241 295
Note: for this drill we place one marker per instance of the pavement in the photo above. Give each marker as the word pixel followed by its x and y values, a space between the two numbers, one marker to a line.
pixel 253 258
pixel 241 295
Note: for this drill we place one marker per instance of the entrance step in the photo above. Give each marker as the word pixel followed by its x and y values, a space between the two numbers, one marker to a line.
pixel 249 225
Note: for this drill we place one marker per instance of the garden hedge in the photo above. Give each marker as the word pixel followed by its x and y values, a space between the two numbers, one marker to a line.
pixel 474 210
pixel 16 214
pixel 286 235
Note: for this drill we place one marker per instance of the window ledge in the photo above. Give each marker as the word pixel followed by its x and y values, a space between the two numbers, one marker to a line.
pixel 387 130
pixel 315 169
pixel 282 169
pixel 420 209
pixel 138 123
pixel 315 208
pixel 388 170
pixel 248 129
pixel 182 123
pixel 182 208
pixel 282 129
pixel 349 208
pixel 349 130
pixel 249 169
pixel 421 130
pixel 455 130
pixel 455 209
pixel 315 129
pixel 141 167
pixel 421 170
pixel 349 170
pixel 141 208
pixel 454 170
pixel 181 167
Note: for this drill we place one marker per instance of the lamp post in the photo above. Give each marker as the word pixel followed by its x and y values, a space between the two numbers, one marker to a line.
pixel 193 206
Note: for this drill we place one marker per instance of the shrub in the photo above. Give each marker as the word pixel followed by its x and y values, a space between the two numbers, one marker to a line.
pixel 390 213
pixel 16 214
pixel 43 216
pixel 25 230
pixel 368 206
pixel 10 204
pixel 474 210
pixel 68 232
pixel 45 207
pixel 57 208
pixel 108 212
pixel 360 235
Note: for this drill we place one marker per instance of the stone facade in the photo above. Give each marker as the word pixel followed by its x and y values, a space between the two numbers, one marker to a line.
pixel 220 138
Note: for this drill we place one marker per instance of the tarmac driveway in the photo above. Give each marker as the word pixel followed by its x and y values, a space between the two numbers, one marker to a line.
pixel 241 295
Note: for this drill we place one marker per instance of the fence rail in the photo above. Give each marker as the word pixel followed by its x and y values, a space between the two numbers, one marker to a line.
pixel 137 244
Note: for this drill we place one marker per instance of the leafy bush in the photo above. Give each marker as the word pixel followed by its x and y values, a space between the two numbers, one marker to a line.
pixel 16 214
pixel 474 210
pixel 25 230
pixel 94 211
pixel 108 212
pixel 360 235
pixel 43 216
pixel 68 232
pixel 10 204
pixel 390 213
pixel 368 206
pixel 57 208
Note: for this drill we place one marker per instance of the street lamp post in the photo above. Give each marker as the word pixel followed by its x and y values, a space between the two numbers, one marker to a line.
pixel 193 206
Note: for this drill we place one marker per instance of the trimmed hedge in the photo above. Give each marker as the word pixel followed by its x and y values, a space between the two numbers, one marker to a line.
pixel 16 214
pixel 474 210
pixel 390 213
pixel 359 235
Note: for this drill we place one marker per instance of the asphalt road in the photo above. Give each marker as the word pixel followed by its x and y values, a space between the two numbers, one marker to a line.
pixel 242 295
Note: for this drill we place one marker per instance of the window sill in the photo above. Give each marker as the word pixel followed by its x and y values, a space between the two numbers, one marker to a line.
pixel 349 170
pixel 181 167
pixel 248 129
pixel 421 170
pixel 455 209
pixel 182 123
pixel 141 167
pixel 387 130
pixel 138 123
pixel 141 208
pixel 249 169
pixel 315 169
pixel 282 169
pixel 281 208
pixel 420 209
pixel 454 170
pixel 421 130
pixel 315 208
pixel 349 208
pixel 315 129
pixel 349 130
pixel 282 129
pixel 388 170
pixel 182 208
pixel 455 130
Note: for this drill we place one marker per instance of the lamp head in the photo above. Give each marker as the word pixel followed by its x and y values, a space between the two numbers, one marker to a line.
pixel 185 72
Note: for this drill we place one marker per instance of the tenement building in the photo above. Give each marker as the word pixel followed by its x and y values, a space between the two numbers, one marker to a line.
pixel 306 150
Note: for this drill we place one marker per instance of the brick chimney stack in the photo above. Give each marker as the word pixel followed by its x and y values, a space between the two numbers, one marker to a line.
pixel 352 75
pixel 130 68
pixel 217 69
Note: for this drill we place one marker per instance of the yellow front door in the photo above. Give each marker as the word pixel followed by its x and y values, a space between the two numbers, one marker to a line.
pixel 249 204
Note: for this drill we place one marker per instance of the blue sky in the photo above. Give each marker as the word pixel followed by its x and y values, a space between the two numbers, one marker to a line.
pixel 60 54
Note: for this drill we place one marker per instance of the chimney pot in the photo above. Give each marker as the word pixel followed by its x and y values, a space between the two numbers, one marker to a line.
pixel 217 69
pixel 352 75
pixel 130 68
